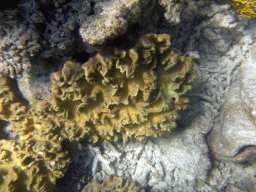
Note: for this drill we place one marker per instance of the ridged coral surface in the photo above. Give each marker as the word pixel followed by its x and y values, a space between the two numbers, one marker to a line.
pixel 31 165
pixel 34 160
pixel 134 93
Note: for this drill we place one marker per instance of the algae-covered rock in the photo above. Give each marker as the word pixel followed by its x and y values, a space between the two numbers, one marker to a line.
pixel 136 92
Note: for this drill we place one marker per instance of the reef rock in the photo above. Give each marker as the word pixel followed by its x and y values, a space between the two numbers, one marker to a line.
pixel 111 19
pixel 234 134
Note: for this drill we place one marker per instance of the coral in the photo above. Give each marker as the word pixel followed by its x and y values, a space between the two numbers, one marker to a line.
pixel 18 42
pixel 111 19
pixel 173 9
pixel 35 159
pixel 31 165
pixel 112 183
pixel 136 92
pixel 245 7
pixel 60 35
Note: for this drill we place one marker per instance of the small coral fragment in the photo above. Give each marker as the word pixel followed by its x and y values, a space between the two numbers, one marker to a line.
pixel 112 183
pixel 134 93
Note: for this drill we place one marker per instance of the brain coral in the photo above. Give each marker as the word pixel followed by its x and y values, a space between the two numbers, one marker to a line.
pixel 135 92
pixel 112 183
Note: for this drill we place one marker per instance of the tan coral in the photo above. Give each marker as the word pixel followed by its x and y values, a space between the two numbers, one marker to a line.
pixel 31 165
pixel 136 92
pixel 112 183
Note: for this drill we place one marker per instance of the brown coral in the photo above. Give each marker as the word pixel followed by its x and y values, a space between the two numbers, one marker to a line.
pixel 112 183
pixel 135 92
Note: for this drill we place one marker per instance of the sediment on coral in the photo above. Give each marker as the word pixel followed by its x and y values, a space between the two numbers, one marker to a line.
pixel 134 93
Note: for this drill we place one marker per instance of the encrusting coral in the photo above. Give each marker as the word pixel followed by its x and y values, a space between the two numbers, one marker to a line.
pixel 112 183
pixel 136 92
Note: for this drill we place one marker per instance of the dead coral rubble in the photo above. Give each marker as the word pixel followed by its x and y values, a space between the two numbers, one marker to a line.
pixel 112 183
pixel 135 93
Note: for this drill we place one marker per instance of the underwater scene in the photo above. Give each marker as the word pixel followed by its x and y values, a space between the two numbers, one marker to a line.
pixel 128 96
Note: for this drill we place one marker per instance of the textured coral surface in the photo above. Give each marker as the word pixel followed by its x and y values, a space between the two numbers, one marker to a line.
pixel 34 160
pixel 112 183
pixel 136 92
pixel 111 19
pixel 245 7
pixel 31 165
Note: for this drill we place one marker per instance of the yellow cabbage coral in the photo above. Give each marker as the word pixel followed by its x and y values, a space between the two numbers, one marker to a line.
pixel 31 165
pixel 134 93
pixel 245 7
pixel 35 159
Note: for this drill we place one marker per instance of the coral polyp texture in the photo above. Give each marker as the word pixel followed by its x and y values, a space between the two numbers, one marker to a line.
pixel 112 183
pixel 245 7
pixel 134 93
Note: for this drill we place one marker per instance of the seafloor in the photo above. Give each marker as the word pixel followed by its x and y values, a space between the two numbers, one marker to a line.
pixel 213 145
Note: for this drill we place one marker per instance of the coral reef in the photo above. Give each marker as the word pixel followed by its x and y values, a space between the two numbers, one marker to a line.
pixel 136 92
pixel 112 183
